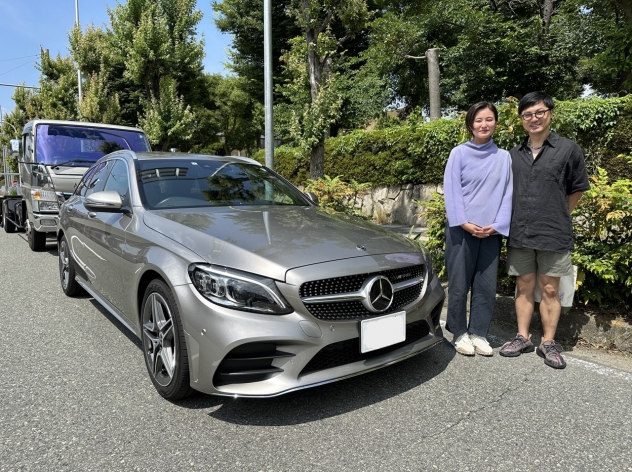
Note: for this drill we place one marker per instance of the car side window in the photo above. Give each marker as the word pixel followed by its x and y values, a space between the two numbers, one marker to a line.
pixel 118 181
pixel 97 180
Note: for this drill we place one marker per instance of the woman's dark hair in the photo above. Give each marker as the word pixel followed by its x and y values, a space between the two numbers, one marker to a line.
pixel 474 109
pixel 533 98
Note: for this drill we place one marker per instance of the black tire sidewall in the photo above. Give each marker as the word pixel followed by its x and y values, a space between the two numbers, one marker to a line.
pixel 179 387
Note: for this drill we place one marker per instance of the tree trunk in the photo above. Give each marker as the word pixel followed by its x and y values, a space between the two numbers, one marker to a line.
pixel 626 8
pixel 434 76
pixel 548 8
pixel 317 162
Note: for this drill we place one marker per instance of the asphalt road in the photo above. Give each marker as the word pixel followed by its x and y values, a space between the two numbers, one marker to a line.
pixel 76 396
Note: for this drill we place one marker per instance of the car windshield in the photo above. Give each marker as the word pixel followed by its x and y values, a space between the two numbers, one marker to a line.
pixel 67 145
pixel 179 183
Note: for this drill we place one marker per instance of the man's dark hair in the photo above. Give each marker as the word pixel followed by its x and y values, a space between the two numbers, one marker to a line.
pixel 533 98
pixel 474 109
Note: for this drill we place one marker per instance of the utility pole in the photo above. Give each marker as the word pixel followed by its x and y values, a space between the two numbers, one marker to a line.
pixel 78 69
pixel 267 83
pixel 434 76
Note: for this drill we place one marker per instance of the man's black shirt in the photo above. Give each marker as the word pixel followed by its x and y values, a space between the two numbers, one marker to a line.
pixel 540 218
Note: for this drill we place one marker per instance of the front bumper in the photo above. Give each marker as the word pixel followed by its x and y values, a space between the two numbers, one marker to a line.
pixel 45 222
pixel 212 332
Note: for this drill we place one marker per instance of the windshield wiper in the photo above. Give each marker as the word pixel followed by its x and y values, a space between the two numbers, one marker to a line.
pixel 73 161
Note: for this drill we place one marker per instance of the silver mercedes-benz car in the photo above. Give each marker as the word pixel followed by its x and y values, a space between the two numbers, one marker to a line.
pixel 236 282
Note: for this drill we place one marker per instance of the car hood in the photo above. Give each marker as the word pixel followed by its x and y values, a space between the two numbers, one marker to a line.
pixel 273 240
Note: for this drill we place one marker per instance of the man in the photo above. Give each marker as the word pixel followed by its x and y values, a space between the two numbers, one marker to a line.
pixel 549 177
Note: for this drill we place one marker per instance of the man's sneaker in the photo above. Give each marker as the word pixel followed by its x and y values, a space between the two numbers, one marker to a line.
pixel 463 345
pixel 481 346
pixel 516 346
pixel 550 352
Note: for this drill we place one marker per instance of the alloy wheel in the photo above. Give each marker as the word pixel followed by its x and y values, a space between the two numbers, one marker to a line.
pixel 159 341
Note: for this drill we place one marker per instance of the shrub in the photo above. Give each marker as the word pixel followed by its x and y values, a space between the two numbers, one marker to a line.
pixel 336 195
pixel 416 152
pixel 603 241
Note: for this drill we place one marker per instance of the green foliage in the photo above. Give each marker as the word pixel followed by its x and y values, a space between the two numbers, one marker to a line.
pixel 167 121
pixel 416 151
pixel 236 114
pixel 433 211
pixel 291 163
pixel 603 241
pixel 335 194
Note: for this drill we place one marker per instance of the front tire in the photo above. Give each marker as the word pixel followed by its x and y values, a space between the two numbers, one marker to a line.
pixel 9 227
pixel 67 270
pixel 163 341
pixel 37 240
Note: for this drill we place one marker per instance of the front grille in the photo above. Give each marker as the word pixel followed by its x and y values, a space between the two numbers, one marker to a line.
pixel 353 283
pixel 354 310
pixel 347 352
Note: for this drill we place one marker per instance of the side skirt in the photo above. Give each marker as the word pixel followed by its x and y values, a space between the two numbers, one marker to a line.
pixel 113 311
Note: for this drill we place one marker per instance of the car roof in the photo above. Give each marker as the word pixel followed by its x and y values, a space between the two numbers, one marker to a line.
pixel 157 155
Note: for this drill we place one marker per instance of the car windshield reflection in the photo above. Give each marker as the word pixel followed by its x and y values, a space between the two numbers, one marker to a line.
pixel 190 184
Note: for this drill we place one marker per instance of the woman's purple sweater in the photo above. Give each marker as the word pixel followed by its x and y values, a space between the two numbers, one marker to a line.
pixel 478 184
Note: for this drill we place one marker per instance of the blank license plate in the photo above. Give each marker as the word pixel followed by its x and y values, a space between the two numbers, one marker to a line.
pixel 384 331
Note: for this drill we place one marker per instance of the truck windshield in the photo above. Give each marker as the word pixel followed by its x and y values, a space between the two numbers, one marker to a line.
pixel 83 145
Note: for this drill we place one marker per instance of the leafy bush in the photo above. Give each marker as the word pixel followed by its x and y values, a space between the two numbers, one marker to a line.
pixel 603 241
pixel 336 195
pixel 416 152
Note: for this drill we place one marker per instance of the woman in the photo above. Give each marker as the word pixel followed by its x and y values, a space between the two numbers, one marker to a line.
pixel 478 185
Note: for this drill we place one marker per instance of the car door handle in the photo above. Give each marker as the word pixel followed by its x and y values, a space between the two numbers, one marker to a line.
pixel 92 214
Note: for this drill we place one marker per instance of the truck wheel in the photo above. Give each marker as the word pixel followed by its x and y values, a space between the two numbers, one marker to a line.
pixel 8 226
pixel 37 240
pixel 67 270
pixel 163 342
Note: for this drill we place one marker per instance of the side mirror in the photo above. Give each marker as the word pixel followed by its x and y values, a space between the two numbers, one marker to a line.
pixel 312 197
pixel 109 201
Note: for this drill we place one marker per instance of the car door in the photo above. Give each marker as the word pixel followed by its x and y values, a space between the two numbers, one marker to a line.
pixel 115 281
pixel 82 230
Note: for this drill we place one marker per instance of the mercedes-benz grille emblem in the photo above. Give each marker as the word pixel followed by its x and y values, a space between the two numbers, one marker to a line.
pixel 378 294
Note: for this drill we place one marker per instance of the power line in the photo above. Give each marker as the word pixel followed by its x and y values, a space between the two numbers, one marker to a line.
pixel 10 70
pixel 21 57
pixel 20 85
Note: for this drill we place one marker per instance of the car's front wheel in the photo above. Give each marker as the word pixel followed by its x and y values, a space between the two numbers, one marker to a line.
pixel 164 345
pixel 37 240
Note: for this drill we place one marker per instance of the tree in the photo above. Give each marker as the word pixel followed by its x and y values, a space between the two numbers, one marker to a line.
pixel 322 48
pixel 168 121
pixel 237 115
pixel 149 48
pixel 488 49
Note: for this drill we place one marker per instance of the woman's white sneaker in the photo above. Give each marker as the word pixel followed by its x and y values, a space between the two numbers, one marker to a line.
pixel 481 346
pixel 463 345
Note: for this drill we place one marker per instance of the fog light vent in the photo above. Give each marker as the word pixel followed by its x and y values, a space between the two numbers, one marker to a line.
pixel 249 363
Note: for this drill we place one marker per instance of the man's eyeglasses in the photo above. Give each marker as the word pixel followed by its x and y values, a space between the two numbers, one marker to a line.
pixel 537 114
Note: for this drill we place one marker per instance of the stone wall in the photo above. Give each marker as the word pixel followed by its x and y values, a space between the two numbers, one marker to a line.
pixel 395 205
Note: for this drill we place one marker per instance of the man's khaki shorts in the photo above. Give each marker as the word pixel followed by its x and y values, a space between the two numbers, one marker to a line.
pixel 523 261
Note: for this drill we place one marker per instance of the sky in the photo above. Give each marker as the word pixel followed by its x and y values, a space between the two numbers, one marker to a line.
pixel 47 25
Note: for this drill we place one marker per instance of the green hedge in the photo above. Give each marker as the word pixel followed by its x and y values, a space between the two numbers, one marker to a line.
pixel 417 153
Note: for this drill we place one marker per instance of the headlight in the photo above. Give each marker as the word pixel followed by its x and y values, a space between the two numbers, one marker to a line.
pixel 238 290
pixel 44 200
pixel 45 206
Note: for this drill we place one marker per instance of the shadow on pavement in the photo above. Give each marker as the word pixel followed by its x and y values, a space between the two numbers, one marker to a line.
pixel 330 400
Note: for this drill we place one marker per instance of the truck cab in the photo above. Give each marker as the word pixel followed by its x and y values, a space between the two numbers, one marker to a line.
pixel 54 155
